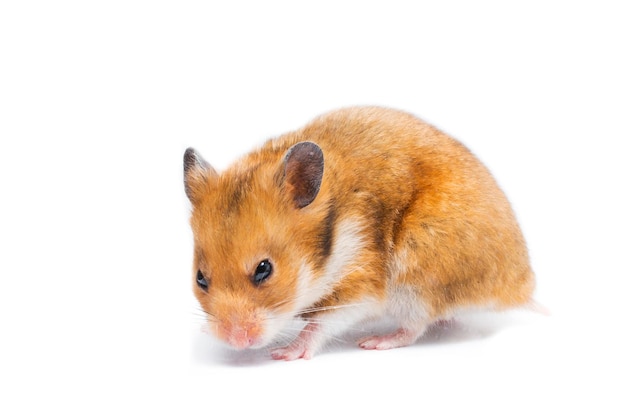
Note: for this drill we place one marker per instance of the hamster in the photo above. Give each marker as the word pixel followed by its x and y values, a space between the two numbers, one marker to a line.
pixel 364 213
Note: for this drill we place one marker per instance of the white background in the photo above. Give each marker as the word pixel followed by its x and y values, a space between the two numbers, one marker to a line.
pixel 98 101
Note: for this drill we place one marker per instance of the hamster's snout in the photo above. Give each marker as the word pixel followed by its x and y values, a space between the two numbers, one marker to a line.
pixel 240 331
pixel 242 336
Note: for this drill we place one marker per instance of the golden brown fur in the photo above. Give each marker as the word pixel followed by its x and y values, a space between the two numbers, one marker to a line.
pixel 430 222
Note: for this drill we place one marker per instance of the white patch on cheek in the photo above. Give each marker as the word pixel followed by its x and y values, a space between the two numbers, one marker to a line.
pixel 310 288
pixel 346 247
pixel 277 327
pixel 347 244
pixel 270 324
pixel 303 297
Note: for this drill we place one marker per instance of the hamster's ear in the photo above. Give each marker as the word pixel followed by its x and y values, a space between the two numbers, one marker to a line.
pixel 197 172
pixel 304 167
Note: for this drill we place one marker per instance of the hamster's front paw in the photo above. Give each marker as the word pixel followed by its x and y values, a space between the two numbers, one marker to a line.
pixel 302 347
pixel 291 352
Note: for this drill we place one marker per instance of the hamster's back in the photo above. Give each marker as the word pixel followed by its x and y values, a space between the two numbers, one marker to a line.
pixel 437 211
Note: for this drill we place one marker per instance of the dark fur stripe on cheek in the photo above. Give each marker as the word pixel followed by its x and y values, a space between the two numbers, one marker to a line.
pixel 327 232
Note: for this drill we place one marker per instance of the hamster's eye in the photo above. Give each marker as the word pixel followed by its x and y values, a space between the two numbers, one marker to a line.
pixel 201 281
pixel 263 272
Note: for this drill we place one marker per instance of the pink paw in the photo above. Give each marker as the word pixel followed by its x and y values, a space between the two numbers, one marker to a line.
pixel 400 338
pixel 291 353
pixel 301 347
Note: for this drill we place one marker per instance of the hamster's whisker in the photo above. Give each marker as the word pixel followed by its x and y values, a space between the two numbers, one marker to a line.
pixel 328 335
pixel 330 308
pixel 204 315
pixel 288 335
pixel 345 327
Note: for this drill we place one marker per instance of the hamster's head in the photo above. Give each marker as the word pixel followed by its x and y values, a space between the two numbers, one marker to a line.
pixel 258 229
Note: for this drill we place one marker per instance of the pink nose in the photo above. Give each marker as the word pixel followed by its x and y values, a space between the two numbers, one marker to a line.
pixel 240 338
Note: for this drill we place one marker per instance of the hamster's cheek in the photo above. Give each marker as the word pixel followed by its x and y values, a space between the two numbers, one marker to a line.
pixel 278 329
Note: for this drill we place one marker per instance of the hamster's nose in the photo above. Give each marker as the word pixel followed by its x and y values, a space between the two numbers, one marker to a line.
pixel 241 338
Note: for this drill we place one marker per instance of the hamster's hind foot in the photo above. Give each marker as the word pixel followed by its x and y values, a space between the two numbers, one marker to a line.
pixel 402 337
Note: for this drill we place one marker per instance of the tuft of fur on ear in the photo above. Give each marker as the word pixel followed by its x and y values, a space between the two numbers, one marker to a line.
pixel 304 168
pixel 196 171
